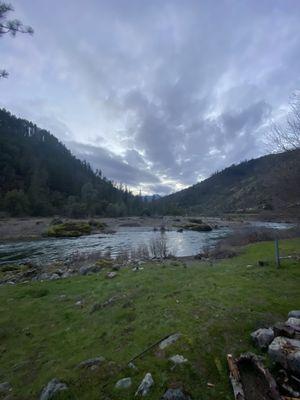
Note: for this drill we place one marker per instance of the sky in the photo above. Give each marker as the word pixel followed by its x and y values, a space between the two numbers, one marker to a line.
pixel 157 94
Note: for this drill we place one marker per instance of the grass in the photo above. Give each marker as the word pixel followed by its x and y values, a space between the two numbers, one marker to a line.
pixel 69 229
pixel 43 334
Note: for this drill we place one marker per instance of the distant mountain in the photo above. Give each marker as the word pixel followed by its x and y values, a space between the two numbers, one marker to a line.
pixel 151 197
pixel 40 176
pixel 270 183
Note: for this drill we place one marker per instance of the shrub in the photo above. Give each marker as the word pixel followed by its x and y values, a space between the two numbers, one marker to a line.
pixel 158 247
pixel 69 229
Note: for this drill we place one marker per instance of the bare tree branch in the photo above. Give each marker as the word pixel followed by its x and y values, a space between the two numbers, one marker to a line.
pixel 286 136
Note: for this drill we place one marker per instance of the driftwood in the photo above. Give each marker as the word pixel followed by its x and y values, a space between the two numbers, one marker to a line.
pixel 235 378
pixel 250 379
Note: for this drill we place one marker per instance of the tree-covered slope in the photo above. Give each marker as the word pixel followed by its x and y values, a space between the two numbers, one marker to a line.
pixel 270 182
pixel 40 176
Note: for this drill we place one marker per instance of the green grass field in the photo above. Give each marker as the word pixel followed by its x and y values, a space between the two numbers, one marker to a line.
pixel 43 334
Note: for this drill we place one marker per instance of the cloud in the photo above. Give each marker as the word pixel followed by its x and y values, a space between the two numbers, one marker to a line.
pixel 157 94
pixel 113 166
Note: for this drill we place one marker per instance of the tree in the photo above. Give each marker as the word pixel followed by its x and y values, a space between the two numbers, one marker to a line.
pixel 10 26
pixel 286 136
pixel 16 203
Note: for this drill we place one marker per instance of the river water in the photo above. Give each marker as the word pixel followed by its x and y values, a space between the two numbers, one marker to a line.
pixel 45 251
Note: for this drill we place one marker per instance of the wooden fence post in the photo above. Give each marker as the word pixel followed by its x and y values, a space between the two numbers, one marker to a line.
pixel 277 257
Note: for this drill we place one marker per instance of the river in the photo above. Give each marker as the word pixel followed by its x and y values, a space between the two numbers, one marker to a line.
pixel 47 250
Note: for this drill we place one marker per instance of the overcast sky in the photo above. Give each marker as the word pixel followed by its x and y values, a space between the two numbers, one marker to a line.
pixel 157 94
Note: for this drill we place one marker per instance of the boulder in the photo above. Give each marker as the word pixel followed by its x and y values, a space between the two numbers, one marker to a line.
pixel 145 385
pixel 263 337
pixel 280 329
pixel 91 362
pixel 286 352
pixel 124 383
pixel 293 321
pixel 169 340
pixel 178 359
pixel 294 314
pixel 175 394
pixel 53 387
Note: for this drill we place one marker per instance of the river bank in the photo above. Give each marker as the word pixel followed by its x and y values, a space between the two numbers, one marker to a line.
pixel 31 228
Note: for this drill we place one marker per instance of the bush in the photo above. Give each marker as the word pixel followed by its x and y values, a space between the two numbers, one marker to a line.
pixel 158 247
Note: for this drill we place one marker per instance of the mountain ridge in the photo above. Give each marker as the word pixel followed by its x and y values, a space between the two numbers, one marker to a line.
pixel 270 182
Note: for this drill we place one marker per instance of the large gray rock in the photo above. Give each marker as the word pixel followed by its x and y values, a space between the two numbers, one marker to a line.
pixel 175 394
pixel 293 321
pixel 124 383
pixel 294 314
pixel 263 337
pixel 5 387
pixel 286 352
pixel 53 387
pixel 91 362
pixel 145 385
pixel 169 340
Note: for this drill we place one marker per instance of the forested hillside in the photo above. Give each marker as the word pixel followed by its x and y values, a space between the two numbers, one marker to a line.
pixel 270 183
pixel 40 176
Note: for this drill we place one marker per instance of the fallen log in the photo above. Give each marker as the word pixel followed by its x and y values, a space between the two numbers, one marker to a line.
pixel 235 379
pixel 250 379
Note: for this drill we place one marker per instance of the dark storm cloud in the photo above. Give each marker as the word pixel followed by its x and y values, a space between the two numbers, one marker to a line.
pixel 176 89
pixel 111 165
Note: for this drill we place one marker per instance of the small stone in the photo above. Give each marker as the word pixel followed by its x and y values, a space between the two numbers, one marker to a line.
pixel 79 303
pixel 293 321
pixel 169 340
pixel 178 359
pixel 54 277
pixel 175 394
pixel 67 274
pixel 124 383
pixel 145 385
pixel 91 362
pixel 44 276
pixel 90 269
pixel 53 387
pixel 111 275
pixel 132 366
pixel 263 337
pixel 5 387
pixel 294 314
